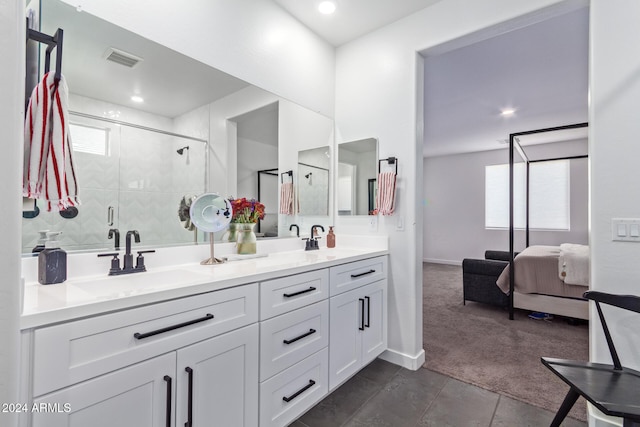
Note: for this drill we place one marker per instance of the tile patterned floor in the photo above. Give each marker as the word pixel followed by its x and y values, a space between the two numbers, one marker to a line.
pixel 383 394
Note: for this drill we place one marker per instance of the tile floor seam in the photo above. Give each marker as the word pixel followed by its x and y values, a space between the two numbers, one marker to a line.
pixel 423 413
pixel 495 409
pixel 353 414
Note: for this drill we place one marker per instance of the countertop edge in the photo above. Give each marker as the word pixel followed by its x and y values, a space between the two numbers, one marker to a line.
pixel 47 318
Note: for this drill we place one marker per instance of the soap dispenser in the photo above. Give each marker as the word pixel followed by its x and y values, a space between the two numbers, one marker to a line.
pixel 40 245
pixel 52 261
pixel 331 238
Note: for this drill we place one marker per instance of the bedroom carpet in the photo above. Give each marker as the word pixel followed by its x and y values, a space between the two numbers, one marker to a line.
pixel 478 344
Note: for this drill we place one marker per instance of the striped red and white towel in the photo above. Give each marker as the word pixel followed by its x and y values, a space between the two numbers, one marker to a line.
pixel 287 199
pixel 49 171
pixel 386 197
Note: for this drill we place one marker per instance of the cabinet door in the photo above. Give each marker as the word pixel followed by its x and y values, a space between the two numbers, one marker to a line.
pixel 374 336
pixel 137 396
pixel 345 336
pixel 218 381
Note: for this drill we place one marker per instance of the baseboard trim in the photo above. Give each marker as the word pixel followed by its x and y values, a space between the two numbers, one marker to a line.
pixel 412 363
pixel 442 261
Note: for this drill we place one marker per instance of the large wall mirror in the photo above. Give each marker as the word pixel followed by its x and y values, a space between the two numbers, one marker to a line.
pixel 191 130
pixel 357 176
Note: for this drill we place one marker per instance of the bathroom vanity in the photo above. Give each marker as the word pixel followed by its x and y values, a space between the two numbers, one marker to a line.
pixel 246 343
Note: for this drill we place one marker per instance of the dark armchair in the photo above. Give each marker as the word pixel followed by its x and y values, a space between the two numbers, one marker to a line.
pixel 479 278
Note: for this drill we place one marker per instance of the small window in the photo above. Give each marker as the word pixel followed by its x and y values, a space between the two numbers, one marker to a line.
pixel 89 139
pixel 548 195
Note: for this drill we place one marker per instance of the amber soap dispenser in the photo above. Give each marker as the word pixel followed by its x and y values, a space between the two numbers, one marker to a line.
pixel 331 238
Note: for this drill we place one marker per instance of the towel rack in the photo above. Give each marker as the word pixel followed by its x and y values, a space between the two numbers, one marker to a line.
pixel 390 161
pixel 290 173
pixel 52 42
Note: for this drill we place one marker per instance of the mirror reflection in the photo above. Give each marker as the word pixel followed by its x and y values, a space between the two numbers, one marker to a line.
pixel 155 152
pixel 357 176
pixel 313 181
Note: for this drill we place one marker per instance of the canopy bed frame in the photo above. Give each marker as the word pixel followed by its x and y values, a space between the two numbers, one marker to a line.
pixel 565 306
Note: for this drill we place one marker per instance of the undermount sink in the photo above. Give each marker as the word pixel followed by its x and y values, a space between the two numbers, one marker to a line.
pixel 138 282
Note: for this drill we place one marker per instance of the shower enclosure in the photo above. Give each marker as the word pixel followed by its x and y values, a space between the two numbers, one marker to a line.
pixel 131 178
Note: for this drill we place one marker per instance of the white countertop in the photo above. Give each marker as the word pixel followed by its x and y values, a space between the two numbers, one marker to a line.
pixel 96 294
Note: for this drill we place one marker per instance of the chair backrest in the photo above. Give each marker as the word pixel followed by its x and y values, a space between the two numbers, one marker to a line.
pixel 626 302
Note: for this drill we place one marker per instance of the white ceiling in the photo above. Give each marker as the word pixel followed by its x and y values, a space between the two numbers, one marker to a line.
pixel 541 71
pixel 352 18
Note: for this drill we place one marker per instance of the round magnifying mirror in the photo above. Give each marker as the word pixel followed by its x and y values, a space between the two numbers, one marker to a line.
pixel 210 212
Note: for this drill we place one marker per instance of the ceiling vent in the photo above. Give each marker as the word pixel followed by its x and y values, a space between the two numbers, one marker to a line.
pixel 121 57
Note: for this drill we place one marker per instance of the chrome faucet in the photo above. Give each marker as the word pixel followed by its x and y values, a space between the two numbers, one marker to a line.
pixel 297 229
pixel 114 232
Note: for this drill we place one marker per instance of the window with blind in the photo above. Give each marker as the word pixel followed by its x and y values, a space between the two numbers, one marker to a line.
pixel 548 195
pixel 89 139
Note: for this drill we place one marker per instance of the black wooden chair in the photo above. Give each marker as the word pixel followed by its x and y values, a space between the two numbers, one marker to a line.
pixel 613 389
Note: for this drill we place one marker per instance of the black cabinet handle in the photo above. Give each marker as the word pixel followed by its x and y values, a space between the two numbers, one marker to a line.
pixel 140 336
pixel 299 392
pixel 311 289
pixel 292 340
pixel 167 378
pixel 189 422
pixel 361 328
pixel 353 276
pixel 368 325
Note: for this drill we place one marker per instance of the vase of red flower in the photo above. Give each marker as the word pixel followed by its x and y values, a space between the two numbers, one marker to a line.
pixel 246 214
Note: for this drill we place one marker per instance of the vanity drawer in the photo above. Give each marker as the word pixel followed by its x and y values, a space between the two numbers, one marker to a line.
pixel 291 393
pixel 75 351
pixel 278 296
pixel 355 274
pixel 289 338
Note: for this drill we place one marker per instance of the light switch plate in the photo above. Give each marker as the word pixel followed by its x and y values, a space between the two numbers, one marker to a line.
pixel 625 229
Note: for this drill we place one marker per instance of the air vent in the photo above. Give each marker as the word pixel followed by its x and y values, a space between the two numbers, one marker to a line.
pixel 121 57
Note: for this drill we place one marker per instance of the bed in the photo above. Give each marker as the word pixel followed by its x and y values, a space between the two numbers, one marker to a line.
pixel 550 279
pixel 537 282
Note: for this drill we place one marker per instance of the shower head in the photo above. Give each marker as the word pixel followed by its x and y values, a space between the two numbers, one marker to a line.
pixel 308 175
pixel 181 150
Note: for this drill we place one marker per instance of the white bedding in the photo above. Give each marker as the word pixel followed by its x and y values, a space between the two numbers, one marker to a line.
pixel 573 264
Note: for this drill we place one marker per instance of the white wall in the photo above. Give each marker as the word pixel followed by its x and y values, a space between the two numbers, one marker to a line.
pixel 454 208
pixel 12 47
pixel 379 94
pixel 614 130
pixel 254 40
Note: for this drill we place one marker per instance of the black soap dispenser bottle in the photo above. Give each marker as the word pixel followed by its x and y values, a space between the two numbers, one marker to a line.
pixel 52 261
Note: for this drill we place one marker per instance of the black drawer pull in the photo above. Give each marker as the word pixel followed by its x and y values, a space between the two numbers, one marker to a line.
pixel 167 378
pixel 140 336
pixel 291 341
pixel 299 392
pixel 353 276
pixel 189 422
pixel 311 289
pixel 361 327
pixel 368 324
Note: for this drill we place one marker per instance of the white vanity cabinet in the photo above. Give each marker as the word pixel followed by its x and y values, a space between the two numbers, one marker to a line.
pixel 146 367
pixel 294 335
pixel 358 307
pixel 244 354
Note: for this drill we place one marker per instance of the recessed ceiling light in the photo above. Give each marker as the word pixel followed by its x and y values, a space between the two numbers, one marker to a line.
pixel 507 112
pixel 136 98
pixel 327 7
